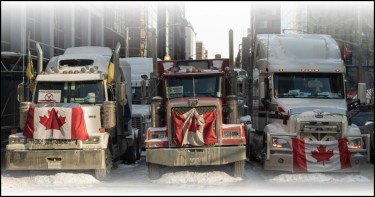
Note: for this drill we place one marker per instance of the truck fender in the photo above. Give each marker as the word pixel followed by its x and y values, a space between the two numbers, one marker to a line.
pixel 106 139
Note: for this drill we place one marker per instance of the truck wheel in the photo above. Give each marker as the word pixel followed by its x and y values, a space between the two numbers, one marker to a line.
pixel 247 144
pixel 252 156
pixel 372 145
pixel 130 155
pixel 262 156
pixel 104 174
pixel 153 171
pixel 238 168
pixel 138 148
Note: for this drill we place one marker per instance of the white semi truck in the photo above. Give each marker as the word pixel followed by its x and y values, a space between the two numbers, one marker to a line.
pixel 141 111
pixel 76 119
pixel 299 107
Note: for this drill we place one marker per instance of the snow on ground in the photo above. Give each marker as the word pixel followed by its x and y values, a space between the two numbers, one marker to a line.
pixel 319 178
pixel 198 181
pixel 187 177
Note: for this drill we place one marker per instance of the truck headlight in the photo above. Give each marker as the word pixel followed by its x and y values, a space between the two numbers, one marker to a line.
pixel 92 140
pixel 280 143
pixel 14 139
pixel 231 134
pixel 157 135
pixel 246 123
pixel 355 144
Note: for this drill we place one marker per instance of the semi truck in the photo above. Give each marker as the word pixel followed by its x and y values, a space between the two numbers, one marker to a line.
pixel 194 117
pixel 298 106
pixel 79 117
pixel 141 109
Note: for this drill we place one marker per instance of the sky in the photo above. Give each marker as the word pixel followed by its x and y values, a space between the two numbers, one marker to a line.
pixel 213 20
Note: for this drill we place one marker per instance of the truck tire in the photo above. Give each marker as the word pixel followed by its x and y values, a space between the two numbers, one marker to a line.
pixel 130 155
pixel 153 171
pixel 138 148
pixel 238 168
pixel 104 174
pixel 247 137
pixel 372 145
pixel 252 156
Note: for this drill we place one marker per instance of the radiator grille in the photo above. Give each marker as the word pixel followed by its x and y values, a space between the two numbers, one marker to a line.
pixel 137 123
pixel 201 110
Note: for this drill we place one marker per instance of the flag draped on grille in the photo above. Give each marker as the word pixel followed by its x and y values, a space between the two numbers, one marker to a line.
pixel 111 69
pixel 194 129
pixel 63 122
pixel 320 156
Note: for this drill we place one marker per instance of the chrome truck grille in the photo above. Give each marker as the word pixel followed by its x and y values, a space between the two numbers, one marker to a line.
pixel 137 123
pixel 53 144
pixel 320 131
pixel 201 110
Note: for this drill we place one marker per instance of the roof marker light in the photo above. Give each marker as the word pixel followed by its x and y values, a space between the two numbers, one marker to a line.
pixel 56 70
pixel 49 70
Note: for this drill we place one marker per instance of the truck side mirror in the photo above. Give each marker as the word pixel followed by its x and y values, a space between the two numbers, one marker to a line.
pixel 20 92
pixel 272 107
pixel 122 92
pixel 285 119
pixel 266 102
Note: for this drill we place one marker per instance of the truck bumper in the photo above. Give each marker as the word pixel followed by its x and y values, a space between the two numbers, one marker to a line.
pixel 54 159
pixel 284 162
pixel 195 156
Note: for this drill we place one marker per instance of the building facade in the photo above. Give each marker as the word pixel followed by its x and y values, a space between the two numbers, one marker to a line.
pixel 202 53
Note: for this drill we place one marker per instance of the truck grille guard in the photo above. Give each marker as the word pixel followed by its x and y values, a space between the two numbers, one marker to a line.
pixel 320 131
pixel 317 131
pixel 290 150
pixel 54 143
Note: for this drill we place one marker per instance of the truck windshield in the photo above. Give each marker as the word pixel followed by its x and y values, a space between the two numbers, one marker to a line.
pixel 309 85
pixel 177 87
pixel 137 97
pixel 84 92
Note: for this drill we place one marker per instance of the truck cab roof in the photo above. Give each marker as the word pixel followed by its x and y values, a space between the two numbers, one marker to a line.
pixel 104 51
pixel 292 52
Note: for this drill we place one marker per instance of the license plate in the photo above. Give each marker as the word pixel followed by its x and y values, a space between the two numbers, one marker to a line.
pixel 54 165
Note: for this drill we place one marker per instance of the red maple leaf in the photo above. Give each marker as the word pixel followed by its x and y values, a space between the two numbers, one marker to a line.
pixel 52 122
pixel 322 154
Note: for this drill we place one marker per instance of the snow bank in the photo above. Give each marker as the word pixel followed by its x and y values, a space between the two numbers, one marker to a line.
pixel 318 178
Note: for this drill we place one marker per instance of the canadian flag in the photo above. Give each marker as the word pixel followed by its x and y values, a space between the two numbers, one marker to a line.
pixel 194 129
pixel 63 122
pixel 320 156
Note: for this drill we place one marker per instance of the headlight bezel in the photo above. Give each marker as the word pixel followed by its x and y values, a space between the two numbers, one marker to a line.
pixel 15 139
